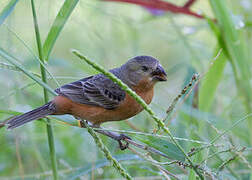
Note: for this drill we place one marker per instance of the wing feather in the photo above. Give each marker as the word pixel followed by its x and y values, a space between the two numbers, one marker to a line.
pixel 95 90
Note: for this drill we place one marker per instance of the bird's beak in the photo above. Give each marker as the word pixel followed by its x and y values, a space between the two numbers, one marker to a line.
pixel 159 74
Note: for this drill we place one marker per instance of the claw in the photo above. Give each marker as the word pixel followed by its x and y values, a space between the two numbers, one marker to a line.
pixel 117 137
pixel 121 145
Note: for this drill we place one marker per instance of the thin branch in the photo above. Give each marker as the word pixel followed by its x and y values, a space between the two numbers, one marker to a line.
pixel 155 163
pixel 183 92
pixel 225 163
pixel 201 169
pixel 194 79
pixel 189 3
pixel 214 154
pixel 155 135
pixel 146 148
pixel 161 5
pixel 229 129
pixel 245 161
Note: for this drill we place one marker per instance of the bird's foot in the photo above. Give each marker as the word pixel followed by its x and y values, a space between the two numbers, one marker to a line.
pixel 118 137
pixel 122 145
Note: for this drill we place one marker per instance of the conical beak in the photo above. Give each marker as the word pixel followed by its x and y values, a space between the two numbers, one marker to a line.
pixel 159 74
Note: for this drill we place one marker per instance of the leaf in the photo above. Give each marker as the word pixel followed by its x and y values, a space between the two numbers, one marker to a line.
pixel 236 49
pixel 57 26
pixel 15 62
pixel 213 76
pixel 101 163
pixel 7 10
pixel 211 81
pixel 169 149
pixel 235 46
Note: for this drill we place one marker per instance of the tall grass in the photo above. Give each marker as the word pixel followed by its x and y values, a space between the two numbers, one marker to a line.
pixel 206 131
pixel 235 48
pixel 46 97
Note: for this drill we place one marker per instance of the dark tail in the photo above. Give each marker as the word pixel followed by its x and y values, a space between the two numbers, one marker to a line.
pixel 38 113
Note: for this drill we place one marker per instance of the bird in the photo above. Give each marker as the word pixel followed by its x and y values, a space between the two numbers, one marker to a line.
pixel 97 99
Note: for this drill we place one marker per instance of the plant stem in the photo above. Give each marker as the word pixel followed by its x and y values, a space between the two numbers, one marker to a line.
pixel 106 152
pixel 46 97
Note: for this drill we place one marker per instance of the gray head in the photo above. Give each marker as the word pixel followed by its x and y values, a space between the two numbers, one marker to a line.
pixel 142 68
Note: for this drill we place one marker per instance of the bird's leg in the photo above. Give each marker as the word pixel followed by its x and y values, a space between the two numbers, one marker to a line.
pixel 117 137
pixel 113 135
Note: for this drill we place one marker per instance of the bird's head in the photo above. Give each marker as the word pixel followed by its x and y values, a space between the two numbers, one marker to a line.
pixel 143 68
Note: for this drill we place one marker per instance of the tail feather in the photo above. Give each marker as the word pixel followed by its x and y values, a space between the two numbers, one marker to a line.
pixel 38 113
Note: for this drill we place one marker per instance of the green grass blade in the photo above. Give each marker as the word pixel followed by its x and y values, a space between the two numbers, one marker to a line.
pixel 7 10
pixel 230 128
pixel 236 50
pixel 49 128
pixel 14 68
pixel 231 36
pixel 57 26
pixel 32 53
pixel 15 62
pixel 163 146
pixel 211 82
pixel 213 76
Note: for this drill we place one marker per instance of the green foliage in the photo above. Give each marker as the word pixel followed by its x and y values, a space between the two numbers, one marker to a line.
pixel 58 24
pixel 236 50
pixel 15 63
pixel 7 10
pixel 211 81
pixel 169 149
pixel 107 153
pixel 99 164
pixel 209 127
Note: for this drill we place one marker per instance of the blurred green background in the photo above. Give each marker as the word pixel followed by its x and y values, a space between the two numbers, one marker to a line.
pixel 109 34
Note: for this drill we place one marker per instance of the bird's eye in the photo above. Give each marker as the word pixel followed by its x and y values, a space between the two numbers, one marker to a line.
pixel 145 68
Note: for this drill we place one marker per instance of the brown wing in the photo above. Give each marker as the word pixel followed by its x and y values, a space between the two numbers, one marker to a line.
pixel 95 90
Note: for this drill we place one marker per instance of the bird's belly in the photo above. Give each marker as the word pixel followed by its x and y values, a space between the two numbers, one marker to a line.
pixel 97 115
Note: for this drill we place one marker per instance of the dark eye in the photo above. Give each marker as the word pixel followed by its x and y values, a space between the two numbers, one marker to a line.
pixel 145 68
